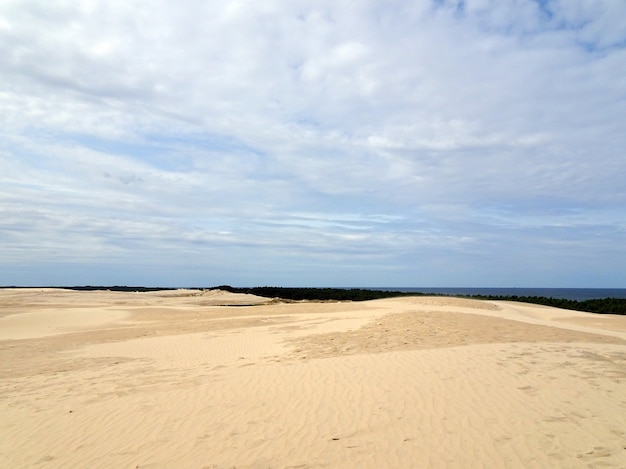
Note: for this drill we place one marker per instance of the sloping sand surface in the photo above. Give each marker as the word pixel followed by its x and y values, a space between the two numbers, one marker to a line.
pixel 177 379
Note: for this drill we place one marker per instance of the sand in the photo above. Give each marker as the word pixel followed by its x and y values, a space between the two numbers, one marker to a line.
pixel 217 380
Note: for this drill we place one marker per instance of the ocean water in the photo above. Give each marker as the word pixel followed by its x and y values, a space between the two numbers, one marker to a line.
pixel 578 294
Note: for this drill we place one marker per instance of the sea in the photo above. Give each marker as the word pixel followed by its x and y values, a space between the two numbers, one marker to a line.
pixel 577 294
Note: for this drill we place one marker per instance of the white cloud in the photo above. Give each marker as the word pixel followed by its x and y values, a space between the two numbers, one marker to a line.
pixel 338 134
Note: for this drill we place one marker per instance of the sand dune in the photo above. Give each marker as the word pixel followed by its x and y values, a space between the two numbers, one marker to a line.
pixel 177 379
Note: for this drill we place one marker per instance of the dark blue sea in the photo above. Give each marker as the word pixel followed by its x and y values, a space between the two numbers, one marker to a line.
pixel 578 294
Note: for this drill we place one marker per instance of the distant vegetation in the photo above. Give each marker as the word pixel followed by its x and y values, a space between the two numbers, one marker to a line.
pixel 601 306
pixel 317 294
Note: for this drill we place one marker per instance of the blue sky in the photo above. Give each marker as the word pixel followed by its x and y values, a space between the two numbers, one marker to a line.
pixel 327 143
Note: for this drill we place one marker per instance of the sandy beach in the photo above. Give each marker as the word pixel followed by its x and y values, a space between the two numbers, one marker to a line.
pixel 210 379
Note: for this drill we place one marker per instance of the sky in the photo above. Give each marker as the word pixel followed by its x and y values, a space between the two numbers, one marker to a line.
pixel 449 143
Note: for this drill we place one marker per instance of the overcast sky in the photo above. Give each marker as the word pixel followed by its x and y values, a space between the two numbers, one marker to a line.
pixel 313 143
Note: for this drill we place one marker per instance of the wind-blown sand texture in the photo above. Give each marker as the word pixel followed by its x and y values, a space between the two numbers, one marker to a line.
pixel 180 379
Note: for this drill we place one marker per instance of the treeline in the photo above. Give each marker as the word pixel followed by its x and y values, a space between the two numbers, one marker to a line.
pixel 601 306
pixel 316 294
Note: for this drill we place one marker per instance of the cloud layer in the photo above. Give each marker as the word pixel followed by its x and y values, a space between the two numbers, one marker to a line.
pixel 339 143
